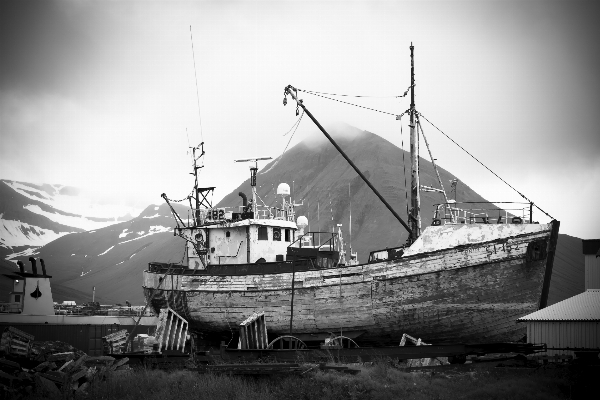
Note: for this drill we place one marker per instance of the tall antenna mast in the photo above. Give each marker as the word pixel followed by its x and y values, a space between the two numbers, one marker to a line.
pixel 350 224
pixel 414 217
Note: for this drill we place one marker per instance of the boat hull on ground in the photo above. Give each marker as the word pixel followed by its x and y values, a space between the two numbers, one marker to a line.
pixel 468 293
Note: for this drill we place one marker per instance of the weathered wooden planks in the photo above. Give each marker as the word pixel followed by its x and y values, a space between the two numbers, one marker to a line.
pixel 468 293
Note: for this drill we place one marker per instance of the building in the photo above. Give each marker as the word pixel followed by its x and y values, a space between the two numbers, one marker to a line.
pixel 573 323
pixel 591 252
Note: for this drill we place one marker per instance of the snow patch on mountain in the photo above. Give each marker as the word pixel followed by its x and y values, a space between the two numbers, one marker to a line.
pixel 77 222
pixel 106 251
pixel 17 233
pixel 152 216
pixel 32 251
pixel 153 230
pixel 124 233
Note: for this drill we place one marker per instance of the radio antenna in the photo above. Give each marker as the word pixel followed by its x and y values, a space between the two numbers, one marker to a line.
pixel 196 76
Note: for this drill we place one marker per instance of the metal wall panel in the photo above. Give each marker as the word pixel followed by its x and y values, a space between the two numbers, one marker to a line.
pixel 561 334
pixel 592 272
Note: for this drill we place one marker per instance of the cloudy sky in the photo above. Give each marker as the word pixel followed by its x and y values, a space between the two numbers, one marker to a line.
pixel 102 95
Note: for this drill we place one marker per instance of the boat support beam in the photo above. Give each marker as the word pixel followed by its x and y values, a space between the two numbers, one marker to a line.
pixel 294 93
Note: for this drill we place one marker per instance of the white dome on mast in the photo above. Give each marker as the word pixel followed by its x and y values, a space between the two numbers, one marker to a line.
pixel 283 189
pixel 302 222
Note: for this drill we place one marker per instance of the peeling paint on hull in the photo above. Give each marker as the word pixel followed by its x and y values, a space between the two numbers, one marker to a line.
pixel 472 293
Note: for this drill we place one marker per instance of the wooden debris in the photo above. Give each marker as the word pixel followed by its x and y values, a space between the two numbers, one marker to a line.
pixel 62 371
pixel 114 342
pixel 46 386
pixel 61 356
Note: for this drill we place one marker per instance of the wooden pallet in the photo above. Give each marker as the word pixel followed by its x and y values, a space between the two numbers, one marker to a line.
pixel 16 342
pixel 114 342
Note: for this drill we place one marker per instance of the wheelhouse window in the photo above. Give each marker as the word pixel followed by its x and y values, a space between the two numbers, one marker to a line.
pixel 277 234
pixel 287 235
pixel 263 233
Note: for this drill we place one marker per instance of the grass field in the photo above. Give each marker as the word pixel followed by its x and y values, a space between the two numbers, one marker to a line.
pixel 377 381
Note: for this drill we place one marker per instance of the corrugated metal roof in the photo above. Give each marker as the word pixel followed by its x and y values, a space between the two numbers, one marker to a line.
pixel 583 307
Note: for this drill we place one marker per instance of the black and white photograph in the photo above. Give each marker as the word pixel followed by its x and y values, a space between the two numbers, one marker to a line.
pixel 260 199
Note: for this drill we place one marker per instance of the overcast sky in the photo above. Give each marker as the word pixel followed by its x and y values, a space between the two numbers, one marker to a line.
pixel 102 95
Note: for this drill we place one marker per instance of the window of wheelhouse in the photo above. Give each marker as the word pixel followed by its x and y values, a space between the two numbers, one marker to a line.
pixel 263 233
pixel 287 235
pixel 277 234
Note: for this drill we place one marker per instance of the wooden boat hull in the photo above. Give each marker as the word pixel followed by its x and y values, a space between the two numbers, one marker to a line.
pixel 470 293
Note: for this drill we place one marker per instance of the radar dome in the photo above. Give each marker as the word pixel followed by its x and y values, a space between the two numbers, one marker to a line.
pixel 302 221
pixel 283 189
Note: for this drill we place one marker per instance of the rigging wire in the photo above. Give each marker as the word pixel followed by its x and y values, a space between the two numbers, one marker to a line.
pixel 294 127
pixel 349 95
pixel 345 102
pixel 473 157
pixel 404 165
pixel 196 75
pixel 432 159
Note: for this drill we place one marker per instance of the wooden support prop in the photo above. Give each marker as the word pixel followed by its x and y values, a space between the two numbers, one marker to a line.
pixel 253 332
pixel 171 330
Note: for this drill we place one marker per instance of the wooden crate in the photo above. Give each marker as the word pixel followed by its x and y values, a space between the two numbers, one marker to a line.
pixel 16 342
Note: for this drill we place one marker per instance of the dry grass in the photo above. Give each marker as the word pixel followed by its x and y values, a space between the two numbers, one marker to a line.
pixel 379 381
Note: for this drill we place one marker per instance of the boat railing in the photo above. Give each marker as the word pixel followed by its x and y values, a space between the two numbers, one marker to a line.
pixel 229 214
pixel 482 212
pixel 328 243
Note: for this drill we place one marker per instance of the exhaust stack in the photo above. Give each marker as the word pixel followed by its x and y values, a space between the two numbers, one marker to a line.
pixel 33 266
pixel 21 266
pixel 244 199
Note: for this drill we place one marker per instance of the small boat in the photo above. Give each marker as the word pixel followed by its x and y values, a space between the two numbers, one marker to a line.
pixel 466 278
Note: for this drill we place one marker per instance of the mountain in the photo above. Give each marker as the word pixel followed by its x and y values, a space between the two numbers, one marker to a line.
pixel 33 215
pixel 113 258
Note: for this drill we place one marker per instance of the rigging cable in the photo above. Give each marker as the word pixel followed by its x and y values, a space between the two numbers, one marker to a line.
pixel 196 75
pixel 404 165
pixel 345 102
pixel 349 95
pixel 472 156
pixel 293 130
pixel 432 159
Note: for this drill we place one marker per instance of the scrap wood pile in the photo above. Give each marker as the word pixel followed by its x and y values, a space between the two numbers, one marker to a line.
pixel 47 369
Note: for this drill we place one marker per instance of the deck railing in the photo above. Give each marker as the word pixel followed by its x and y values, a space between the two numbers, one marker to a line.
pixel 218 214
pixel 328 237
pixel 483 212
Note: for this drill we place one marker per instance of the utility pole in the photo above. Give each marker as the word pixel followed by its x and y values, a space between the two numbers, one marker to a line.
pixel 414 217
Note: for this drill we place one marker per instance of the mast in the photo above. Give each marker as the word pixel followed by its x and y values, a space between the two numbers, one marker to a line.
pixel 414 217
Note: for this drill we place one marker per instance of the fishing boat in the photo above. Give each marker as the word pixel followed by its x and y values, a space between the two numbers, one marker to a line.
pixel 466 278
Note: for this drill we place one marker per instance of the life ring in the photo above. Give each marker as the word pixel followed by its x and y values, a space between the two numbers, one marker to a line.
pixel 276 234
pixel 436 222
